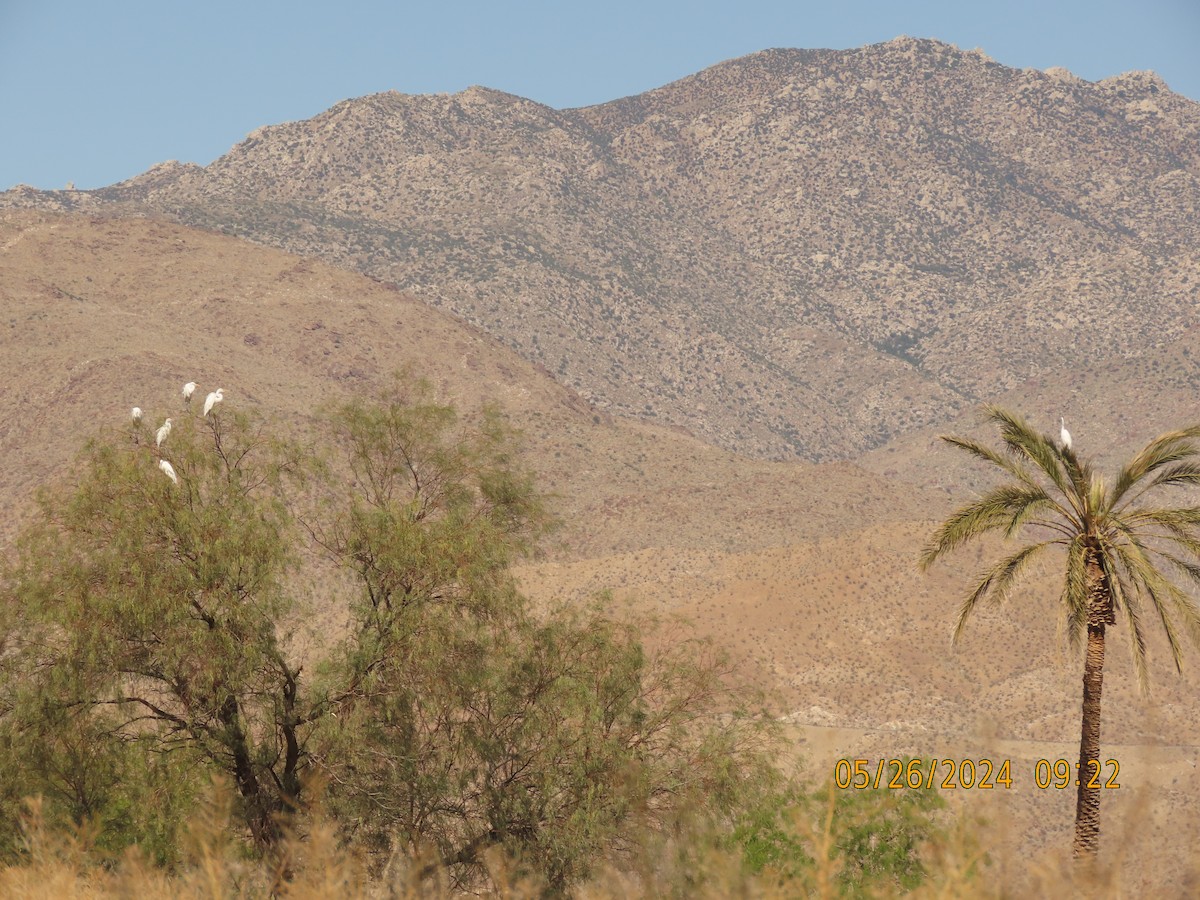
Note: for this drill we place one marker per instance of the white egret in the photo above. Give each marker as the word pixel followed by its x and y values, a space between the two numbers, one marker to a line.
pixel 188 390
pixel 213 399
pixel 136 414
pixel 161 434
pixel 168 470
pixel 1064 435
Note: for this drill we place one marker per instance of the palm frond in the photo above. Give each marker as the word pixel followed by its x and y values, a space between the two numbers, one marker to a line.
pixel 1026 515
pixel 994 510
pixel 1190 570
pixel 998 581
pixel 987 454
pixel 1185 605
pixel 1157 589
pixel 1083 482
pixel 1095 491
pixel 1129 604
pixel 1183 473
pixel 1024 442
pixel 1171 447
pixel 1173 533
pixel 1063 528
pixel 1074 599
pixel 1181 524
pixel 1009 464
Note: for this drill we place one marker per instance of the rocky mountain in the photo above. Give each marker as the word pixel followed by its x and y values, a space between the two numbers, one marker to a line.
pixel 796 253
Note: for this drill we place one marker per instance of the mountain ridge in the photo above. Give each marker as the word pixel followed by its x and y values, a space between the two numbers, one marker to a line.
pixel 794 253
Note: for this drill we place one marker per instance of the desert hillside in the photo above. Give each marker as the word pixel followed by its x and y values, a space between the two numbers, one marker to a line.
pixel 804 572
pixel 103 314
pixel 796 253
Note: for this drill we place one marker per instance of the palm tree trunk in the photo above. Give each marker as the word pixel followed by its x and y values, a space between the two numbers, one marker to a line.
pixel 1100 613
pixel 1087 803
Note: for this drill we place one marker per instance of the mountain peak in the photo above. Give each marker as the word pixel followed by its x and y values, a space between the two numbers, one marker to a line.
pixel 798 252
pixel 1062 74
pixel 1138 80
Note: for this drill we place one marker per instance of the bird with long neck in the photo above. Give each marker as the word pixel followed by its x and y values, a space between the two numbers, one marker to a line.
pixel 1064 435
pixel 213 399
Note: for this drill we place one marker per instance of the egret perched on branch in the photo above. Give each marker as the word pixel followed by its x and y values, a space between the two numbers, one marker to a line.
pixel 136 414
pixel 213 399
pixel 1064 435
pixel 161 434
pixel 168 470
pixel 188 390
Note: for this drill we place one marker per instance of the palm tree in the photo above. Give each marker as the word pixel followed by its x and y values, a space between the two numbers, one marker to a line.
pixel 1123 557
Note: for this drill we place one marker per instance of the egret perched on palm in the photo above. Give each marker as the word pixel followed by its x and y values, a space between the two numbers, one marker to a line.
pixel 1123 557
pixel 1063 435
pixel 213 399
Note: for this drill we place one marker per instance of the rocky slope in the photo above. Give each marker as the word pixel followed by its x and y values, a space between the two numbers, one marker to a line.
pixel 796 253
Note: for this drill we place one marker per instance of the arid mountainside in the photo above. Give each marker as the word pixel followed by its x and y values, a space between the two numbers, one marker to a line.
pixel 100 315
pixel 794 253
pixel 804 572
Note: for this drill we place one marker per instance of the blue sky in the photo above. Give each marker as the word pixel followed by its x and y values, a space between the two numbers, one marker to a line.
pixel 95 91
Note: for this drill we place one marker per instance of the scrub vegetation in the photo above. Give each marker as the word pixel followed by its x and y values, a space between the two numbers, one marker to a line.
pixel 311 647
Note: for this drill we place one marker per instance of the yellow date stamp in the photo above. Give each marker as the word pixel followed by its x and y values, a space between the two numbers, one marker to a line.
pixel 970 774
pixel 913 774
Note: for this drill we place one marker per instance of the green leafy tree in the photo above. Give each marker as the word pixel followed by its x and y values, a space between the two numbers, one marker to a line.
pixel 155 615
pixel 1122 555
pixel 465 719
pixel 152 635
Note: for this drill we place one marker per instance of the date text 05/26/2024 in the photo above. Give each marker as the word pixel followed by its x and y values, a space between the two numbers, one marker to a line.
pixel 970 774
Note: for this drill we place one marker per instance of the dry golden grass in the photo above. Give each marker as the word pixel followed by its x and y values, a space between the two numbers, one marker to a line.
pixel 967 859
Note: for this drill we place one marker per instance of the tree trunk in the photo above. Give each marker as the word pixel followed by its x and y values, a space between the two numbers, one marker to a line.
pixel 1087 803
pixel 1100 613
pixel 259 810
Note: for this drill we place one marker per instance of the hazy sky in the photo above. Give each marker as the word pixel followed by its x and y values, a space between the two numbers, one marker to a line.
pixel 96 91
